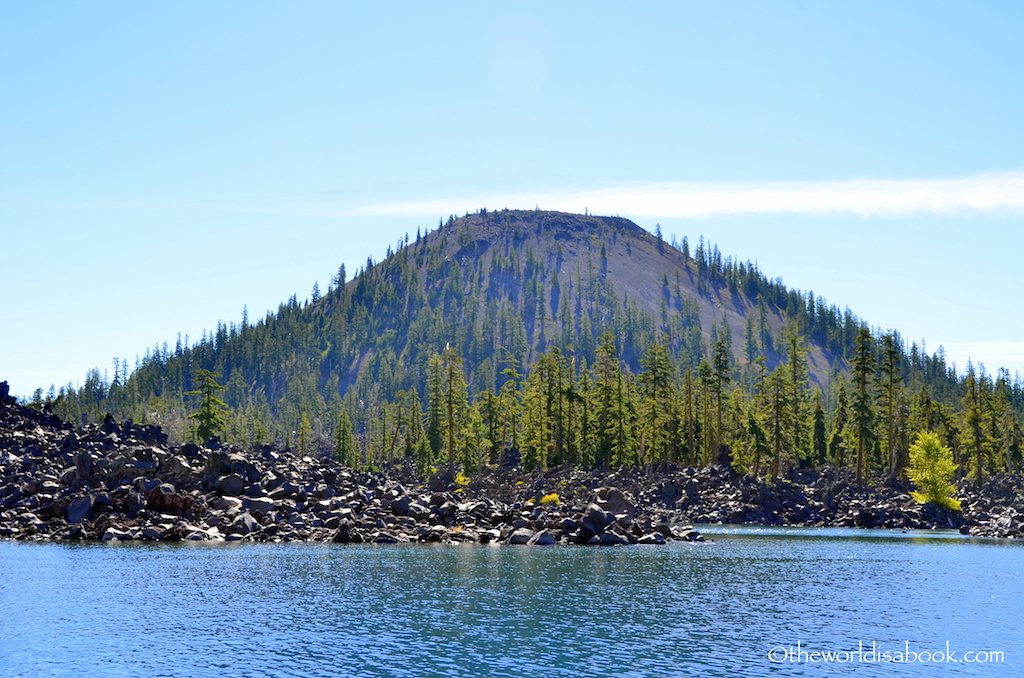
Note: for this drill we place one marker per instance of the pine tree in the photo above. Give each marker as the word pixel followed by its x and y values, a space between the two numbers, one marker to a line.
pixel 435 406
pixel 475 441
pixel 658 393
pixel 750 344
pixel 539 426
pixel 212 409
pixel 778 418
pixel 819 447
pixel 690 424
pixel 796 382
pixel 624 422
pixel 305 435
pixel 758 442
pixel 763 328
pixel 345 444
pixel 510 403
pixel 1003 423
pixel 836 444
pixel 863 402
pixel 455 402
pixel 890 379
pixel 722 366
pixel 490 415
pixel 607 377
pixel 976 439
pixel 705 402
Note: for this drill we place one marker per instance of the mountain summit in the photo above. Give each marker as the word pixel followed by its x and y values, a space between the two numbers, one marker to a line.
pixel 580 265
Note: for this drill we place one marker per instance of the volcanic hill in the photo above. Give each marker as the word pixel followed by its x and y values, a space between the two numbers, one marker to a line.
pixel 495 286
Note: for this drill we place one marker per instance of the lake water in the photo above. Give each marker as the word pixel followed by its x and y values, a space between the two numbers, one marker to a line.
pixel 734 607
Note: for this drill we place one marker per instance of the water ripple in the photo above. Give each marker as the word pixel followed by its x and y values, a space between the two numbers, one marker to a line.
pixel 716 609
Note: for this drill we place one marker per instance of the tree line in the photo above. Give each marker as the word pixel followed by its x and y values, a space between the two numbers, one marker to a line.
pixel 566 412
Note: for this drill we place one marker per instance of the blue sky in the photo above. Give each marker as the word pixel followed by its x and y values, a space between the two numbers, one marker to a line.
pixel 162 166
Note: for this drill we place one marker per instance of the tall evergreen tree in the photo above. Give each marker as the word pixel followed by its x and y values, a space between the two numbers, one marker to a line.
pixel 836 444
pixel 660 421
pixel 779 412
pixel 863 400
pixel 346 448
pixel 211 410
pixel 976 438
pixel 890 383
pixel 305 435
pixel 722 365
pixel 819 446
pixel 435 406
pixel 455 402
pixel 607 378
pixel 796 383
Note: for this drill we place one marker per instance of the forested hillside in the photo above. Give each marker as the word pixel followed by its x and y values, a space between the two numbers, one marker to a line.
pixel 567 339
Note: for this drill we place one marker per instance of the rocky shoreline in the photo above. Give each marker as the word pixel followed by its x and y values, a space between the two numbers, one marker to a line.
pixel 121 481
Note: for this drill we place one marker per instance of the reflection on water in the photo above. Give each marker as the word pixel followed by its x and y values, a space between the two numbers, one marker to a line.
pixel 415 610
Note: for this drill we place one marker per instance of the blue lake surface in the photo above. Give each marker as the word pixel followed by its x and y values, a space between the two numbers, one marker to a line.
pixel 727 608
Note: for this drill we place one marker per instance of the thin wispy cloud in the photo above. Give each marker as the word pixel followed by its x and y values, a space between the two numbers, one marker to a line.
pixel 986 193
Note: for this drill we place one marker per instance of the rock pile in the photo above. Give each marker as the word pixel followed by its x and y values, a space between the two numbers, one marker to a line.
pixel 123 481
pixel 120 481
pixel 814 499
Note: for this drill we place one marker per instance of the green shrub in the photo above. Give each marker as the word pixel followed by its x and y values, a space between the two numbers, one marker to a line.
pixel 931 467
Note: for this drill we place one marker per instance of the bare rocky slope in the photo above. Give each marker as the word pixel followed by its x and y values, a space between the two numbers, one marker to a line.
pixel 636 262
pixel 120 481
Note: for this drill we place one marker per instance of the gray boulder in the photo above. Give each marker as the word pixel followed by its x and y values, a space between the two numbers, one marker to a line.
pixel 400 505
pixel 595 519
pixel 609 538
pixel 158 532
pixel 176 466
pixel 612 500
pixel 133 502
pixel 521 536
pixel 164 499
pixel 447 509
pixel 542 538
pixel 243 524
pixel 230 505
pixel 262 504
pixel 80 509
pixel 83 466
pixel 418 511
pixel 231 485
pixel 284 491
